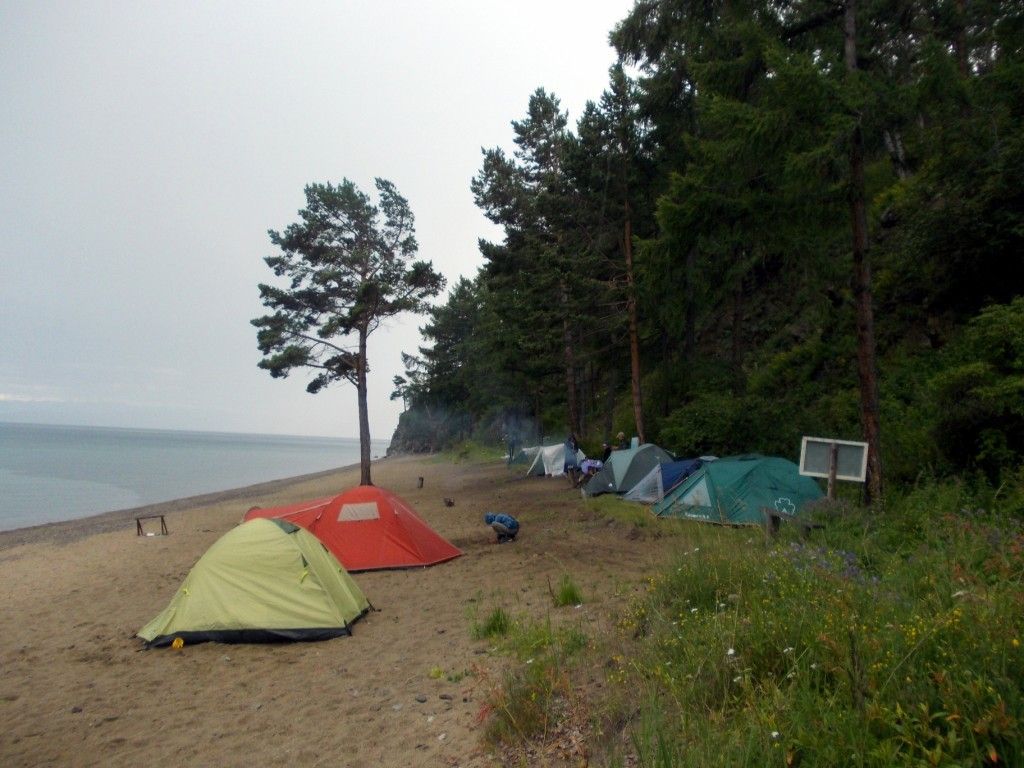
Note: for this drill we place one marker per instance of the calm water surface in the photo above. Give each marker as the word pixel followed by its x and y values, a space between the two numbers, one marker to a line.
pixel 51 473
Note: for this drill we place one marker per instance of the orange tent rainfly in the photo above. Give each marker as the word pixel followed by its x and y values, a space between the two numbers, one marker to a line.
pixel 367 528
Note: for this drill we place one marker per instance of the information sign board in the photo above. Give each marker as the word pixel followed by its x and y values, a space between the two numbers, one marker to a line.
pixel 851 458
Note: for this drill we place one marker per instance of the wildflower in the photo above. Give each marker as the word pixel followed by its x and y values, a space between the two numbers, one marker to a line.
pixel 693 610
pixel 788 649
pixel 1016 643
pixel 731 652
pixel 775 734
pixel 737 678
pixel 529 661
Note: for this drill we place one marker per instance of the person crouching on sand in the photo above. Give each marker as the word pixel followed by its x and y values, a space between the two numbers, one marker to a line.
pixel 506 526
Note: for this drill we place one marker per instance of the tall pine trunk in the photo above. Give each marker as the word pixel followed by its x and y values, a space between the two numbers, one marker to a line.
pixel 866 367
pixel 634 342
pixel 611 390
pixel 570 363
pixel 364 417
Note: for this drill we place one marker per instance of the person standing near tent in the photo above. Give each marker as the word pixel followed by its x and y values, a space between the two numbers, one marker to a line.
pixel 621 443
pixel 506 526
pixel 511 442
pixel 572 462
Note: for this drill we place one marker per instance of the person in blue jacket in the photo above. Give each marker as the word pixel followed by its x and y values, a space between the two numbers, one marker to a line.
pixel 506 526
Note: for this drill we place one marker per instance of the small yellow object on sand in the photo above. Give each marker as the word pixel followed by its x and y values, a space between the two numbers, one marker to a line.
pixel 178 644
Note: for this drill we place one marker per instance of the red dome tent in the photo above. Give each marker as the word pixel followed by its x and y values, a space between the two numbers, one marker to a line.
pixel 367 528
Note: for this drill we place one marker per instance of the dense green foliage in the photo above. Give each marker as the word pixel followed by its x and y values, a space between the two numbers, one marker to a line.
pixel 721 150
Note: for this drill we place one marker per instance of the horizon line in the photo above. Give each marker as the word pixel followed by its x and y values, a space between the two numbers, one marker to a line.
pixel 180 429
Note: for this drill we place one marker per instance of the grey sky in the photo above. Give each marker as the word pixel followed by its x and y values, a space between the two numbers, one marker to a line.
pixel 147 147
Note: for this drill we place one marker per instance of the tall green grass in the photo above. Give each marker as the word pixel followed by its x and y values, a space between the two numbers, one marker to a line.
pixel 892 640
pixel 531 697
pixel 496 625
pixel 568 593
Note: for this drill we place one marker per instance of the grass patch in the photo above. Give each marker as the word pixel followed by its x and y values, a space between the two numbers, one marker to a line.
pixel 471 452
pixel 612 507
pixel 497 624
pixel 892 639
pixel 567 593
pixel 535 695
pixel 889 640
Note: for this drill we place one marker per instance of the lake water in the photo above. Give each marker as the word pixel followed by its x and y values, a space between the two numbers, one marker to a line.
pixel 52 473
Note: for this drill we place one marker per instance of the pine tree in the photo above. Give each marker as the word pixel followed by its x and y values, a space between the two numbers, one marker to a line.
pixel 348 266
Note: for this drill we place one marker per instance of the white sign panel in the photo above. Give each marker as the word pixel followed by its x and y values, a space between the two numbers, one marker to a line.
pixel 851 458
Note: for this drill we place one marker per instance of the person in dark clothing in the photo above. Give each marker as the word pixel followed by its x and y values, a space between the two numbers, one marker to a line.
pixel 505 526
pixel 606 451
pixel 511 444
pixel 571 466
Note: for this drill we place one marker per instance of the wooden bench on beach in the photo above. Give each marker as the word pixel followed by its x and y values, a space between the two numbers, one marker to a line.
pixel 140 529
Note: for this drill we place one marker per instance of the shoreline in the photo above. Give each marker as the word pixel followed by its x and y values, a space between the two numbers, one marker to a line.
pixel 67 531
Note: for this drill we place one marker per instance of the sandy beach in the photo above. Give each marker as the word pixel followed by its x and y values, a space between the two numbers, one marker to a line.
pixel 406 689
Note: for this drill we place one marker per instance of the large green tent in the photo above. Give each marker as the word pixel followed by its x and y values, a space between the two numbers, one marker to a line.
pixel 263 581
pixel 734 491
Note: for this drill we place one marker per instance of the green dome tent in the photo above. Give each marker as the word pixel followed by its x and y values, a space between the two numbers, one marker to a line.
pixel 625 468
pixel 735 489
pixel 264 581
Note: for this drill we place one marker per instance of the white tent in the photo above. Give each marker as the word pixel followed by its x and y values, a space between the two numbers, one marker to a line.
pixel 550 460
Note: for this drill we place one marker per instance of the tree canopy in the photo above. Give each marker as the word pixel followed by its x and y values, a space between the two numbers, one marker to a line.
pixel 789 199
pixel 347 265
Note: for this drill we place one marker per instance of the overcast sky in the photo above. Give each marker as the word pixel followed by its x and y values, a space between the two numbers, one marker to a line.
pixel 146 148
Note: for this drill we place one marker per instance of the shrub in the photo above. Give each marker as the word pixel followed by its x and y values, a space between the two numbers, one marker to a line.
pixel 981 398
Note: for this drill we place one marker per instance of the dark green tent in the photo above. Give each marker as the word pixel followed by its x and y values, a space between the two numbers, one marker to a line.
pixel 734 490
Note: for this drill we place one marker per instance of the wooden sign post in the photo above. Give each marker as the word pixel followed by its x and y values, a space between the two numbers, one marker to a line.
pixel 833 460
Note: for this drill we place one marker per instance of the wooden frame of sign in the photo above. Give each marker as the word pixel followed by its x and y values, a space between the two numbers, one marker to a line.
pixel 834 459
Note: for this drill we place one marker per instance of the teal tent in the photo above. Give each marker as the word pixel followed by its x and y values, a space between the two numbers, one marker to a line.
pixel 734 490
